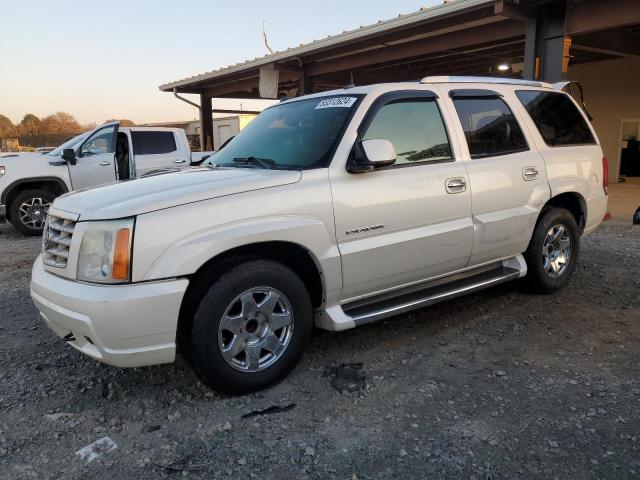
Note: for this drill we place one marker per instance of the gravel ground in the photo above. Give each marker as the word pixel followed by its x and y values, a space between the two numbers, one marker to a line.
pixel 500 384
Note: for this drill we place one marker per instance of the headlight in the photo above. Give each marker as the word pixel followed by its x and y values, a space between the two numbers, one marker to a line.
pixel 1 170
pixel 105 251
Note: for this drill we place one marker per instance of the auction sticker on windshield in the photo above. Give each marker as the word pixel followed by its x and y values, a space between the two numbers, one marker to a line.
pixel 336 102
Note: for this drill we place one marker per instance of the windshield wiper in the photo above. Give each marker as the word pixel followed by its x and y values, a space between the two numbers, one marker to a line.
pixel 266 163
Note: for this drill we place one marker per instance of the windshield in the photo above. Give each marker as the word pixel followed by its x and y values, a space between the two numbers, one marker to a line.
pixel 291 136
pixel 68 144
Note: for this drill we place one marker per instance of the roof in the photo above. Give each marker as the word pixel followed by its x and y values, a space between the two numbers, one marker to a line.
pixel 382 26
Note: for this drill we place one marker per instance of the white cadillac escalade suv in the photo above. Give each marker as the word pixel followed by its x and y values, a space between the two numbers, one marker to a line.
pixel 334 209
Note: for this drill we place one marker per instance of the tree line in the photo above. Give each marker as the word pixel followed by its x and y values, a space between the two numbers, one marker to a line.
pixel 59 123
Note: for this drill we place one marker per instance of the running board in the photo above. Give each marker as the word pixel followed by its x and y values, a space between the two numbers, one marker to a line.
pixel 371 310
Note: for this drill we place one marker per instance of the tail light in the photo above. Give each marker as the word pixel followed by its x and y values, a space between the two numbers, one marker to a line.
pixel 605 175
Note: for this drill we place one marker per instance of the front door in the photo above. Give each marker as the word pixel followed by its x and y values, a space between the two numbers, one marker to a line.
pixel 411 221
pixel 95 159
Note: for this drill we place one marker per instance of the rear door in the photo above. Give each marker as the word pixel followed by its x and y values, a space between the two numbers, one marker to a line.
pixel 95 159
pixel 155 150
pixel 507 173
pixel 411 221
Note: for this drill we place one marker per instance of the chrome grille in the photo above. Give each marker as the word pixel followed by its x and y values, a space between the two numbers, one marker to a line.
pixel 56 240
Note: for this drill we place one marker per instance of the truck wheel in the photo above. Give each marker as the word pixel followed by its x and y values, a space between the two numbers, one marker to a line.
pixel 28 210
pixel 553 251
pixel 251 327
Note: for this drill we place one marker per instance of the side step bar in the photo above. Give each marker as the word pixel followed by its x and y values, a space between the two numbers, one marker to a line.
pixel 381 307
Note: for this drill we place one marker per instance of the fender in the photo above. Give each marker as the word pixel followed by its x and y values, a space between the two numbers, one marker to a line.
pixel 58 181
pixel 187 255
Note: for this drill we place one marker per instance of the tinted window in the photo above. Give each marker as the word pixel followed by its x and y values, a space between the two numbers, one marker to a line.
pixel 149 143
pixel 557 118
pixel 489 126
pixel 99 143
pixel 415 128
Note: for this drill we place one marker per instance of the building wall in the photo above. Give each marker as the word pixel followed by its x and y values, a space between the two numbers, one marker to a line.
pixel 612 93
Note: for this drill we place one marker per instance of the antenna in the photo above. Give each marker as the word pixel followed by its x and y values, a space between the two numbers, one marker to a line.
pixel 266 40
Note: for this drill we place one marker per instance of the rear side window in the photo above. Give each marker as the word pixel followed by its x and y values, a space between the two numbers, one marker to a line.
pixel 416 129
pixel 557 118
pixel 150 143
pixel 489 127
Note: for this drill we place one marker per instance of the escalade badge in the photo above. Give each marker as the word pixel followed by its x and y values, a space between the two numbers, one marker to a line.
pixel 365 229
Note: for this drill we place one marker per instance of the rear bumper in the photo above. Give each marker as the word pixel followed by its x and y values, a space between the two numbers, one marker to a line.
pixel 3 213
pixel 121 325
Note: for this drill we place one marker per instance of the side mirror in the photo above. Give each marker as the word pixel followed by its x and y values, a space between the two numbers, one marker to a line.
pixel 372 154
pixel 69 155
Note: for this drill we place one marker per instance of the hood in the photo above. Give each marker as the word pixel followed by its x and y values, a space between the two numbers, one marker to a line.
pixel 22 156
pixel 157 192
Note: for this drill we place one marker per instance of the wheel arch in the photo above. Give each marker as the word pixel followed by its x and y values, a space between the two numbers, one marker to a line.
pixel 291 254
pixel 574 202
pixel 55 184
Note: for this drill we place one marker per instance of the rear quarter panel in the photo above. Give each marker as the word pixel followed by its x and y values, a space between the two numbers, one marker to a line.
pixel 574 169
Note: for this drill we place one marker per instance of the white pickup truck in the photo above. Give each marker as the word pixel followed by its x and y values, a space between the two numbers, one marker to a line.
pixel 335 209
pixel 29 182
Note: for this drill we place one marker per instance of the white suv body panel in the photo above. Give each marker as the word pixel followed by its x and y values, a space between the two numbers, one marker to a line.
pixel 186 219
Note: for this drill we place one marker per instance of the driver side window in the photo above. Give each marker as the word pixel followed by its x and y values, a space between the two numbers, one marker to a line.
pixel 415 128
pixel 100 143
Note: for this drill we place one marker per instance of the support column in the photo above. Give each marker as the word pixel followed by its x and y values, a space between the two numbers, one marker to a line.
pixel 304 80
pixel 547 45
pixel 206 123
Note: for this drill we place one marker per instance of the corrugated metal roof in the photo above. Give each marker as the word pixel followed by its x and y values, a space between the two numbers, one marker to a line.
pixel 381 26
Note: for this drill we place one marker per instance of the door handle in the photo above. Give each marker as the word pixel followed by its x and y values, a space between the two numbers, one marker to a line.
pixel 530 173
pixel 104 163
pixel 179 161
pixel 456 185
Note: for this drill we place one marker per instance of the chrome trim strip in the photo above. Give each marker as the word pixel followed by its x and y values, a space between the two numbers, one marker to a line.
pixel 431 299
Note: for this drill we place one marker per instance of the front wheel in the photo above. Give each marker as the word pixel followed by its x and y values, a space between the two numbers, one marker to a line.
pixel 251 327
pixel 28 210
pixel 553 251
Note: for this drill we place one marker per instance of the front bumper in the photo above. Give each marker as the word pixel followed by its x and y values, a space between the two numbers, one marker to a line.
pixel 122 325
pixel 3 213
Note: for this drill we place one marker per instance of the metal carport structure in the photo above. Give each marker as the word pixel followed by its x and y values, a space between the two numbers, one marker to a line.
pixel 536 39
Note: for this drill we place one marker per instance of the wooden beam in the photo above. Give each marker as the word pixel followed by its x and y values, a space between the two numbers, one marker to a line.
pixel 464 38
pixel 594 15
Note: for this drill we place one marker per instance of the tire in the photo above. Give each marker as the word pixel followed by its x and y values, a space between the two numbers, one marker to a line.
pixel 228 328
pixel 28 210
pixel 551 261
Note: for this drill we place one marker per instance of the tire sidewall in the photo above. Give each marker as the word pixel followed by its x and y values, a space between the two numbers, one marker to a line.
pixel 538 278
pixel 206 356
pixel 18 200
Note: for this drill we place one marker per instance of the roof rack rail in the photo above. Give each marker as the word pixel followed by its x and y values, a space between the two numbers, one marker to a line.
pixel 493 80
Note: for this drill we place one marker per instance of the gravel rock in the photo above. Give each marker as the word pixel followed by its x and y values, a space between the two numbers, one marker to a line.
pixel 566 405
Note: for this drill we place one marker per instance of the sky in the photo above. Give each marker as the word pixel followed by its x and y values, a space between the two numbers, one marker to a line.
pixel 102 60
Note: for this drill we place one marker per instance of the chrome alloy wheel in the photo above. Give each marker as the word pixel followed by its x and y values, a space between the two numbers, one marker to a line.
pixel 256 329
pixel 33 212
pixel 556 251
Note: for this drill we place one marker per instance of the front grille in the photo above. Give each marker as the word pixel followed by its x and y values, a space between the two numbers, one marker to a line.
pixel 56 240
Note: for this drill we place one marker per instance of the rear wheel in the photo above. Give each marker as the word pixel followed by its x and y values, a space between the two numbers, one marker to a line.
pixel 28 210
pixel 553 251
pixel 251 327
